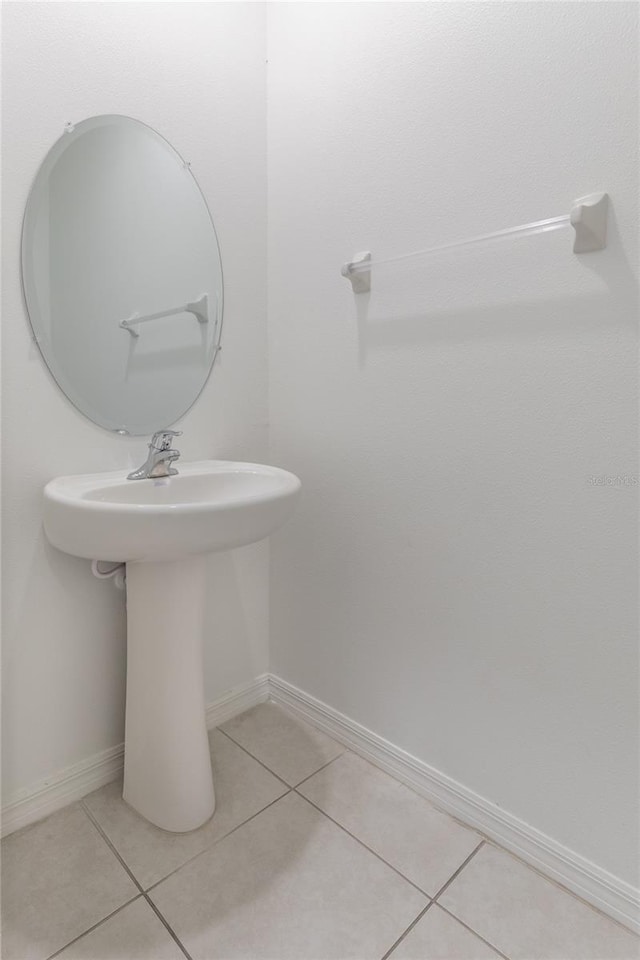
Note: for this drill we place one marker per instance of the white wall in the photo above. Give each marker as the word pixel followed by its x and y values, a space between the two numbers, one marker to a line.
pixel 195 72
pixel 452 579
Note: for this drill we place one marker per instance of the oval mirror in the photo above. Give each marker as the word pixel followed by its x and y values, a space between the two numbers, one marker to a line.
pixel 122 274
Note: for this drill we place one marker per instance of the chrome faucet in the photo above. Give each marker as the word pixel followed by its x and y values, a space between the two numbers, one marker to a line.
pixel 161 456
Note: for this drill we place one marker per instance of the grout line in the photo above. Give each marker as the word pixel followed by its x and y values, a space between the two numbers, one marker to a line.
pixel 448 883
pixel 110 845
pixel 323 767
pixel 291 786
pixel 169 930
pixel 474 932
pixel 132 876
pixel 362 844
pixel 459 870
pixel 124 864
pixel 215 842
pixel 410 927
pixel 253 757
pixel 96 925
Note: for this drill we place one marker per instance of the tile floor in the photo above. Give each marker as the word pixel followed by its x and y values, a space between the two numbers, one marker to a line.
pixel 313 854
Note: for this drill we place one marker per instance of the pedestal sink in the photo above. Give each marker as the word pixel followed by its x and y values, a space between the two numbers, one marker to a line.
pixel 163 529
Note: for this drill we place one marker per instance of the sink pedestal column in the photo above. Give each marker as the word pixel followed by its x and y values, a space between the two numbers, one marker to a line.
pixel 167 764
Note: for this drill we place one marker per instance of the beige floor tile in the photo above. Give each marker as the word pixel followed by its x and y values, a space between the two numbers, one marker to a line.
pixel 526 916
pixel 437 936
pixel 243 787
pixel 288 746
pixel 134 933
pixel 289 885
pixel 59 878
pixel 425 845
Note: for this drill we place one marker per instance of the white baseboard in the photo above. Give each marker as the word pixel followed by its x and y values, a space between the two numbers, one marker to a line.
pixel 237 701
pixel 77 781
pixel 64 787
pixel 608 893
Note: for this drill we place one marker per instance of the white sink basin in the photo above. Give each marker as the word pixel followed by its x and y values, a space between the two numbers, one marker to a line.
pixel 209 506
pixel 162 529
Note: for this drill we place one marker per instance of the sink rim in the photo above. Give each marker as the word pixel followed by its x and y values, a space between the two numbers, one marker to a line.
pixel 69 490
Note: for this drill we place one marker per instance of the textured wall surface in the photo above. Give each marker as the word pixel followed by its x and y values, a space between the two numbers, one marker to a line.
pixel 452 579
pixel 195 72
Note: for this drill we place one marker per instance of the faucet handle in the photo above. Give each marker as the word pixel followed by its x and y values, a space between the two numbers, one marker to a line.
pixel 161 440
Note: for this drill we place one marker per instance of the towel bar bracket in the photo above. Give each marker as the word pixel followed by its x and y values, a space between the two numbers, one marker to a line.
pixel 360 281
pixel 589 220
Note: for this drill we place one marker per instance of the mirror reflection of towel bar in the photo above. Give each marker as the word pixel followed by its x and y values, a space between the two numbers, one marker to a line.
pixel 199 308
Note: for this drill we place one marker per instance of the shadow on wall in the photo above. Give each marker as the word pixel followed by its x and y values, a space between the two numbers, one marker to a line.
pixel 534 287
pixel 235 618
